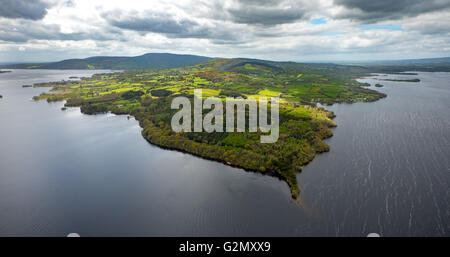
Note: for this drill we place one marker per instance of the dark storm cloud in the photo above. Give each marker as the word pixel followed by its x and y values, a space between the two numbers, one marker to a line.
pixel 259 2
pixel 23 9
pixel 266 12
pixel 265 16
pixel 151 22
pixel 379 10
pixel 166 24
pixel 23 31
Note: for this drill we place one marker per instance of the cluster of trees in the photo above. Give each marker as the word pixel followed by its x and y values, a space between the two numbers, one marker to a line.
pixel 94 108
pixel 160 92
pixel 300 140
pixel 231 93
pixel 132 95
pixel 76 100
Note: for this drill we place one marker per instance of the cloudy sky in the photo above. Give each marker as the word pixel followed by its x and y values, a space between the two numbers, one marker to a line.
pixel 298 30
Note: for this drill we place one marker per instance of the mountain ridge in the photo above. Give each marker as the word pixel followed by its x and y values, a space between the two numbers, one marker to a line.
pixel 157 61
pixel 145 61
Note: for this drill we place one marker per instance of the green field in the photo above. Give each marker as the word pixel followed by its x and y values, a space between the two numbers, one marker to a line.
pixel 147 96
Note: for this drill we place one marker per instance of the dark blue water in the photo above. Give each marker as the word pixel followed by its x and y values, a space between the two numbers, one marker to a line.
pixel 62 171
pixel 388 170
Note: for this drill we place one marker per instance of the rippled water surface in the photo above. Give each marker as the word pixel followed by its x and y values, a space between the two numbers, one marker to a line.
pixel 388 172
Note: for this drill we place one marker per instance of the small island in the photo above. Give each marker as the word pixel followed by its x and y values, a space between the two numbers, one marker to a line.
pixel 378 85
pixel 403 73
pixel 402 80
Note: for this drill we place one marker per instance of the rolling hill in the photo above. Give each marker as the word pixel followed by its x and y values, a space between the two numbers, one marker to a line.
pixel 146 61
pixel 158 61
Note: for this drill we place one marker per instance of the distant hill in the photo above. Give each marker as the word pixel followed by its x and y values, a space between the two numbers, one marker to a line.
pixel 417 61
pixel 146 61
pixel 264 67
pixel 343 71
pixel 427 64
pixel 240 65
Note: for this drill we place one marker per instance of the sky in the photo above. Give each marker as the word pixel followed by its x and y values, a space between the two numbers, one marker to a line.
pixel 283 30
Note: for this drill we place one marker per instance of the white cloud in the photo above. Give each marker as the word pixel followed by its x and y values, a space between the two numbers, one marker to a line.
pixel 279 30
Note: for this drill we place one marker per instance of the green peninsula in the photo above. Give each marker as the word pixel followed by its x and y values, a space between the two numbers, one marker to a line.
pixel 147 95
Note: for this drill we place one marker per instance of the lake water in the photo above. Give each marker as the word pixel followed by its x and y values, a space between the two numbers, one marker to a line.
pixel 61 172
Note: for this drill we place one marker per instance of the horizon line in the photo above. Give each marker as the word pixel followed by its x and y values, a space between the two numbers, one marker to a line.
pixel 255 58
